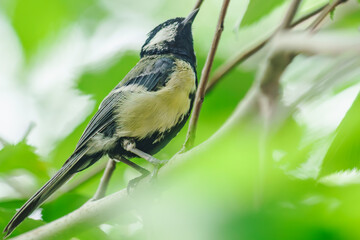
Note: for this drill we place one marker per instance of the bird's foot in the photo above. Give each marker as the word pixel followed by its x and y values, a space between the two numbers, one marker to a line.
pixel 134 182
pixel 157 165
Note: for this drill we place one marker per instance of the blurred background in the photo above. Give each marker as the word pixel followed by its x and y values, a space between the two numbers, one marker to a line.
pixel 59 59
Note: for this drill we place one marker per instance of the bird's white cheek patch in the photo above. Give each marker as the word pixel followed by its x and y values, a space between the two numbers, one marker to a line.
pixel 166 34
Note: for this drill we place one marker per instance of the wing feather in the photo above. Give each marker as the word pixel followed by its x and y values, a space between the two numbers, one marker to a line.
pixel 152 74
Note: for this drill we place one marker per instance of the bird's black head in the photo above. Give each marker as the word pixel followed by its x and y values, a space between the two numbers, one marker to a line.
pixel 173 36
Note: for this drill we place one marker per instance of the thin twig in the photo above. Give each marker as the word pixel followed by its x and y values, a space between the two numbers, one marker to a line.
pixel 199 98
pixel 198 4
pixel 309 15
pixel 324 13
pixel 228 66
pixel 104 182
pixel 325 44
pixel 4 142
pixel 289 16
pixel 28 130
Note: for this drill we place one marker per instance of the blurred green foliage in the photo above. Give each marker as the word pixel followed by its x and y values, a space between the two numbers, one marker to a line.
pixel 344 152
pixel 257 9
pixel 40 20
pixel 226 192
pixel 11 154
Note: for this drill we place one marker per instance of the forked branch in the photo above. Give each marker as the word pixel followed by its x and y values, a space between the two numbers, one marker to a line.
pixel 224 69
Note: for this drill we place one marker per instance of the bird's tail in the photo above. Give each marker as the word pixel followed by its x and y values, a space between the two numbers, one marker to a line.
pixel 71 166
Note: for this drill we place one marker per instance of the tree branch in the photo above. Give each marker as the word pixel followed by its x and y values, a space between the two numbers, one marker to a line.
pixel 276 64
pixel 326 44
pixel 329 8
pixel 309 15
pixel 104 182
pixel 199 98
pixel 289 16
pixel 228 66
pixel 198 4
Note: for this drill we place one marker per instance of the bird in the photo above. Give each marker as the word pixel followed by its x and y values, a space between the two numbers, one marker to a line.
pixel 140 115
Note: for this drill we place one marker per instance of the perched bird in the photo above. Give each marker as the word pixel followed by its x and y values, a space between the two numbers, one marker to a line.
pixel 140 115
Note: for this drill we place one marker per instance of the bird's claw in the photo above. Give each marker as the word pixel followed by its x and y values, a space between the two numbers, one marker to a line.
pixel 134 182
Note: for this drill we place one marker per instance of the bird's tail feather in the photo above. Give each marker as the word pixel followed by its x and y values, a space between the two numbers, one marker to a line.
pixel 64 174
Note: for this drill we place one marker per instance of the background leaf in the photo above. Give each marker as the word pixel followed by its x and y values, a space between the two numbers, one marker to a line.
pixel 257 9
pixel 21 156
pixel 344 152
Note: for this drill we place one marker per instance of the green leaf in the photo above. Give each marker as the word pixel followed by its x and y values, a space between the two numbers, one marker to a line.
pixel 99 82
pixel 62 206
pixel 12 204
pixel 22 156
pixel 344 152
pixel 258 9
pixel 349 21
pixel 332 13
pixel 27 225
pixel 35 21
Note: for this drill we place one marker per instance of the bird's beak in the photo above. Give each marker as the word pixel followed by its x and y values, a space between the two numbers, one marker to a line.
pixel 189 19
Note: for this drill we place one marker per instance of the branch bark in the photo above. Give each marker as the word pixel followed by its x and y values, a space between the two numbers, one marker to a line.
pixel 325 44
pixel 198 4
pixel 269 84
pixel 286 23
pixel 200 93
pixel 104 182
pixel 329 8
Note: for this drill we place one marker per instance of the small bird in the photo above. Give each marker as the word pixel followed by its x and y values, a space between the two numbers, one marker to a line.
pixel 140 115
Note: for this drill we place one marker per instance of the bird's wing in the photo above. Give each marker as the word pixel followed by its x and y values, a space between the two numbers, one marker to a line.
pixel 102 119
pixel 151 74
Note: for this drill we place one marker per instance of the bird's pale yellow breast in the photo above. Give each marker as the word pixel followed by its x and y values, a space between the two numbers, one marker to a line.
pixel 143 113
